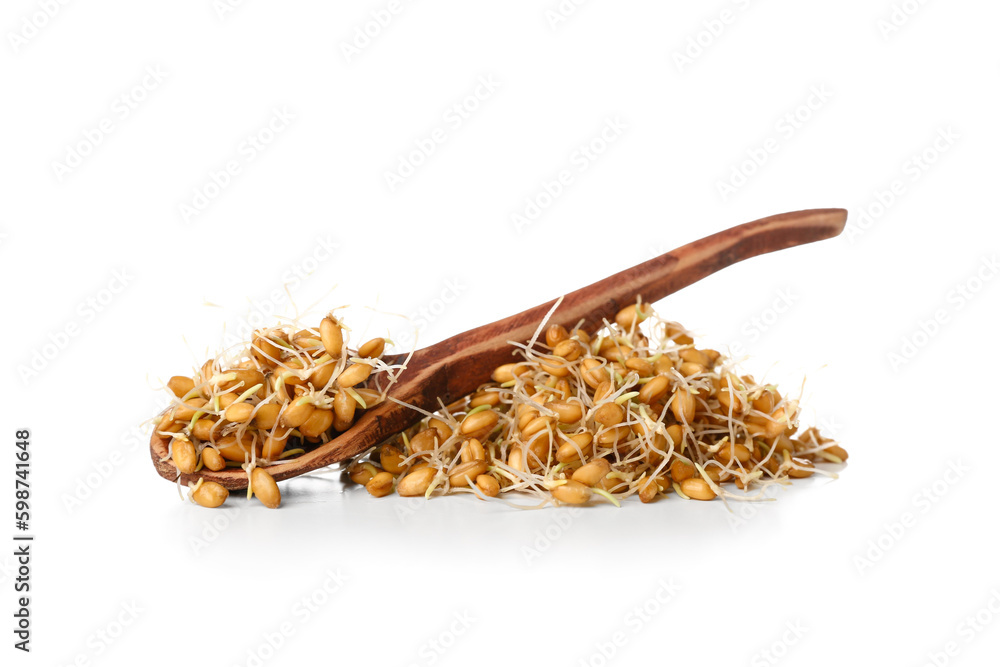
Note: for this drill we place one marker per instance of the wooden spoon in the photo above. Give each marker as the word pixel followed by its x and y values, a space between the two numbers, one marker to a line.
pixel 455 367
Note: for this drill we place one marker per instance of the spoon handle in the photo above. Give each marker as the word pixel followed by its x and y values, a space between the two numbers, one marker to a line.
pixel 482 349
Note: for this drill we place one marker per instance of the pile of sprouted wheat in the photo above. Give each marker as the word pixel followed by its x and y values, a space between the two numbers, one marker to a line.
pixel 272 398
pixel 635 409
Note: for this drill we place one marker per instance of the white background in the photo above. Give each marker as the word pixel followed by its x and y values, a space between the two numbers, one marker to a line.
pixel 883 566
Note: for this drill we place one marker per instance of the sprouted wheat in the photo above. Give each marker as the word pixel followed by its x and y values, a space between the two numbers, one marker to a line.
pixel 258 403
pixel 635 409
